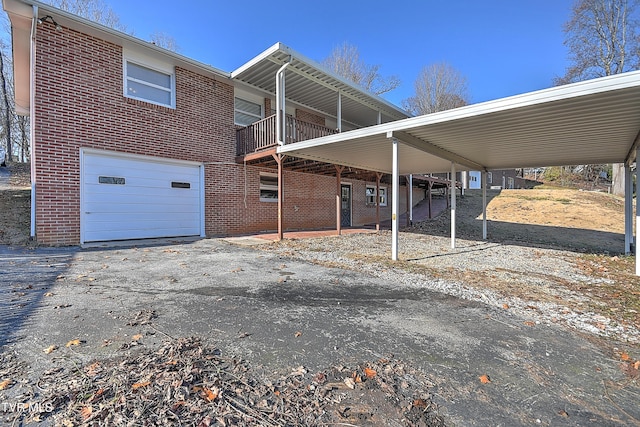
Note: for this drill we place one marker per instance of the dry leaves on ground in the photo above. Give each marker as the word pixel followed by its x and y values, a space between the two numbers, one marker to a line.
pixel 190 383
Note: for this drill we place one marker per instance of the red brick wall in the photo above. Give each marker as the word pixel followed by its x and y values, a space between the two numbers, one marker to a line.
pixel 310 117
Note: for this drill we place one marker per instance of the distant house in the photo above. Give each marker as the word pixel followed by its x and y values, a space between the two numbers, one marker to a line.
pixel 133 141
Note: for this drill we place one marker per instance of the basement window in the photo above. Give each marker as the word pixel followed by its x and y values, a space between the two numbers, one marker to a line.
pixel 268 187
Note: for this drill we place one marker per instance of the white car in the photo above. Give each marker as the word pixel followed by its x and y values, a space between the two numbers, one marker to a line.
pixel 3 153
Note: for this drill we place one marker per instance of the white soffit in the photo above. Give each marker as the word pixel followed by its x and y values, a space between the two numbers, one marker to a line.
pixel 595 121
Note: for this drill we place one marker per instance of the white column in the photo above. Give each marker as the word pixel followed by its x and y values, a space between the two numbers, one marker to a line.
pixel 453 205
pixel 379 117
pixel 628 209
pixel 410 213
pixel 484 204
pixel 395 201
pixel 637 212
pixel 339 118
pixel 281 112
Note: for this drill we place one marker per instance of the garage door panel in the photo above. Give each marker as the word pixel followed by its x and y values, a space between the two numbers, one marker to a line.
pixel 136 199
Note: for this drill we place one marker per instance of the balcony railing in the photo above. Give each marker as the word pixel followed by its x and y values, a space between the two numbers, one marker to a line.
pixel 262 134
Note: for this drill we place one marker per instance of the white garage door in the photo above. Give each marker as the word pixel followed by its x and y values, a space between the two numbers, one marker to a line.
pixel 126 197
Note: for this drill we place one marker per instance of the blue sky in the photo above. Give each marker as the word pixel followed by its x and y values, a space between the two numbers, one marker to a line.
pixel 502 47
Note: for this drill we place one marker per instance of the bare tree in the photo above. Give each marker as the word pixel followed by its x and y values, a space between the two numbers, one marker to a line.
pixel 7 108
pixel 162 39
pixel 94 10
pixel 345 62
pixel 438 87
pixel 603 39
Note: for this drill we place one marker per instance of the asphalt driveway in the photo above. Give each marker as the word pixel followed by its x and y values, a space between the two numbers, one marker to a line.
pixel 280 313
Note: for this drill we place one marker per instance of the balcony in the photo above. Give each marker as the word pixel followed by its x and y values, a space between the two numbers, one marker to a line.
pixel 261 135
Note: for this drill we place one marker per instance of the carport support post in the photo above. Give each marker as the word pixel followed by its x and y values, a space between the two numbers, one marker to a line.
pixel 484 204
pixel 453 205
pixel 628 217
pixel 410 214
pixel 378 178
pixel 395 196
pixel 637 213
pixel 339 170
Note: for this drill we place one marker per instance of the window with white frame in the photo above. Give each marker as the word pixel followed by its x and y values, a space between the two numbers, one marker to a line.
pixel 246 112
pixel 382 197
pixel 511 182
pixel 371 195
pixel 489 178
pixel 149 84
pixel 268 187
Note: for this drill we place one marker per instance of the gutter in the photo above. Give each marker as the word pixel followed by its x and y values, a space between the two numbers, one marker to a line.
pixel 32 86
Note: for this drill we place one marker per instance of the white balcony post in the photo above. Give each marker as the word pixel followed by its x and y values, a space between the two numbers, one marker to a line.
pixel 453 205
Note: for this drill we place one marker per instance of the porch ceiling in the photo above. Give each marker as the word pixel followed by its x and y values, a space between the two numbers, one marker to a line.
pixel 309 84
pixel 591 122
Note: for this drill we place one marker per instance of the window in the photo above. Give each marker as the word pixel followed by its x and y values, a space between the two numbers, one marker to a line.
pixel 247 112
pixel 268 187
pixel 489 178
pixel 146 84
pixel 371 195
pixel 111 180
pixel 383 196
pixel 511 182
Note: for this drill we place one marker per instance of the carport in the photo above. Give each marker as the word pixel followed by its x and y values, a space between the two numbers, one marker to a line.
pixel 591 122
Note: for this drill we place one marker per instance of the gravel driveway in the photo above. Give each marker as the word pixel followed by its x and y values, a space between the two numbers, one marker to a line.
pixel 280 311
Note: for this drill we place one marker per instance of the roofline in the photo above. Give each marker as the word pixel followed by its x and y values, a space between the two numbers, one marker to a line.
pixel 280 47
pixel 65 18
pixel 556 93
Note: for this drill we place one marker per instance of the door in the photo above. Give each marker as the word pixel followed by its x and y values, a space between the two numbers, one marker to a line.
pixel 345 217
pixel 129 197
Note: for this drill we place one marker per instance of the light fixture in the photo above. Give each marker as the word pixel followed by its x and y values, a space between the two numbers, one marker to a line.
pixel 50 19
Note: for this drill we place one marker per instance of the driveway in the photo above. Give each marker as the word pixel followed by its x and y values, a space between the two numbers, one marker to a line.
pixel 280 313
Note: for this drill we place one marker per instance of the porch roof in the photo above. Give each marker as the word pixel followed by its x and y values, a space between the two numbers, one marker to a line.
pixel 312 85
pixel 591 122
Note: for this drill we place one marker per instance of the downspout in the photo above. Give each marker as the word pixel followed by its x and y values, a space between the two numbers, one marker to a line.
pixel 280 104
pixel 32 121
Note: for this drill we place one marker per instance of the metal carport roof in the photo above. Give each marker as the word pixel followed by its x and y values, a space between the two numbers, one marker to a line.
pixel 590 122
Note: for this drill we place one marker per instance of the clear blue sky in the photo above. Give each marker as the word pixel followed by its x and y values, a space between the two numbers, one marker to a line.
pixel 503 47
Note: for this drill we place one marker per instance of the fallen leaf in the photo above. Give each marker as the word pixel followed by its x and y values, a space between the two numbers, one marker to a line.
pixel 50 349
pixel 484 379
pixel 505 306
pixel 529 323
pixel 237 270
pixel 625 357
pixel 4 384
pixel 91 369
pixel 86 412
pixel 370 373
pixel 350 383
pixel 563 413
pixel 210 395
pixel 420 403
pixel 72 342
pixel 636 365
pixel 136 337
pixel 136 386
pixel 297 334
pixel 48 294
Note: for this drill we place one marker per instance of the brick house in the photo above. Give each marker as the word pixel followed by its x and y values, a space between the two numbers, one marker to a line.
pixel 133 141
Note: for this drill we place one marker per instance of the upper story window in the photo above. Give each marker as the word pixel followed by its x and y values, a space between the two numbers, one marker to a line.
pixel 247 112
pixel 148 84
